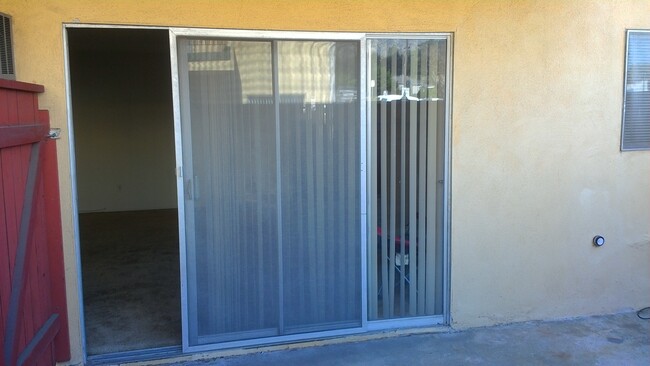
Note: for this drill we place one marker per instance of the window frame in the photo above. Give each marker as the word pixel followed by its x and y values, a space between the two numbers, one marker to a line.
pixel 625 106
pixel 7 45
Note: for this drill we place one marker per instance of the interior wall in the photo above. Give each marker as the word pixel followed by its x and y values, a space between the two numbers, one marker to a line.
pixel 123 124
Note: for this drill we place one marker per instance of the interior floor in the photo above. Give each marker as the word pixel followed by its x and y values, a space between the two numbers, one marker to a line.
pixel 131 281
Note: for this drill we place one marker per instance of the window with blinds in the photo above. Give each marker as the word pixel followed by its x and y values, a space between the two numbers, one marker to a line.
pixel 636 104
pixel 6 48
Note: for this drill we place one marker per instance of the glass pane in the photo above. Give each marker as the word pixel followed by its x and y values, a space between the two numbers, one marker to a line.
pixel 407 113
pixel 319 124
pixel 229 146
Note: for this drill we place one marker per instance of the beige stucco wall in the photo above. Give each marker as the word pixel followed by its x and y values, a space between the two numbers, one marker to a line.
pixel 536 166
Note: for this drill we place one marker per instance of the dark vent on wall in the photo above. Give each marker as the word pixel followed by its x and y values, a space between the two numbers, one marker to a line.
pixel 6 49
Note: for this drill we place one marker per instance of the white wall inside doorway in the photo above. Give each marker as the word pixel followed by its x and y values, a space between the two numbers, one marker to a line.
pixel 123 121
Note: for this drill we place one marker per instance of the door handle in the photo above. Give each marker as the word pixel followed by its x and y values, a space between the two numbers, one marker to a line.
pixel 188 189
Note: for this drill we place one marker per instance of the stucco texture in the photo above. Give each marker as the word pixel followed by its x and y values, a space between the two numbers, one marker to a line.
pixel 536 166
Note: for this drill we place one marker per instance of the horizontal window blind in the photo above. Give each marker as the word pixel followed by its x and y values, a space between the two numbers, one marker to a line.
pixel 636 111
pixel 6 49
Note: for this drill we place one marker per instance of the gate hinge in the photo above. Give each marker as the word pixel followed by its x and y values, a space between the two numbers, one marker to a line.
pixel 54 134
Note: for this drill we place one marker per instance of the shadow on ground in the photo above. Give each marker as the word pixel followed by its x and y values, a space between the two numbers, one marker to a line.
pixel 621 339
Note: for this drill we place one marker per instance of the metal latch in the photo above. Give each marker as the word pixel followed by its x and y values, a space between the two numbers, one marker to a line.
pixel 54 134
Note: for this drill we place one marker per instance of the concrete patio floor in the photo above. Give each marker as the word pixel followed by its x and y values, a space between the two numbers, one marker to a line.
pixel 620 339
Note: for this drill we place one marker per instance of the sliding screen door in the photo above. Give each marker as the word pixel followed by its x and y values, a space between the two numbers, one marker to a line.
pixel 270 136
pixel 320 181
pixel 407 104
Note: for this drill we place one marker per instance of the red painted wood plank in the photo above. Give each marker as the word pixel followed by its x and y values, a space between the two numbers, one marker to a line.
pixel 22 164
pixel 43 276
pixel 40 299
pixel 37 292
pixel 21 135
pixel 27 327
pixel 10 177
pixel 24 321
pixel 33 300
pixel 11 110
pixel 42 302
pixel 5 273
pixel 46 358
pixel 8 157
pixel 26 330
pixel 22 86
pixel 12 99
pixel 26 107
pixel 27 302
pixel 31 295
pixel 55 246
pixel 4 107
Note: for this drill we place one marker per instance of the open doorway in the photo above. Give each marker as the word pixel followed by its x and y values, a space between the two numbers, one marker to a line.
pixel 128 221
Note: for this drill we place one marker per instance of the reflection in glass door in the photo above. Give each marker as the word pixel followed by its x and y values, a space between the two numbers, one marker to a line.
pixel 407 104
pixel 271 164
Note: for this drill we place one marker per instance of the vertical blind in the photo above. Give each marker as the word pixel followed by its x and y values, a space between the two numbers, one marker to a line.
pixel 636 110
pixel 320 184
pixel 272 200
pixel 407 129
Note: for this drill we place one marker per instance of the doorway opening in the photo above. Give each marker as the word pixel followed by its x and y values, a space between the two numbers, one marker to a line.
pixel 125 172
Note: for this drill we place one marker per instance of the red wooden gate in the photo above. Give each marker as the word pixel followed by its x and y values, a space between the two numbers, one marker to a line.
pixel 33 319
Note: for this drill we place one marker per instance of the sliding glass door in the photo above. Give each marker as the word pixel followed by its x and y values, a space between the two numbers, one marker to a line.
pixel 303 214
pixel 271 187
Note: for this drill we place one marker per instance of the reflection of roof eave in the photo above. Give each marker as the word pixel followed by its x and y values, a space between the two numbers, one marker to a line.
pixel 390 97
pixel 396 97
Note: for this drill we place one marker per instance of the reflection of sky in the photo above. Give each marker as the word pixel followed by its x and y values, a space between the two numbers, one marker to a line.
pixel 306 69
pixel 639 49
